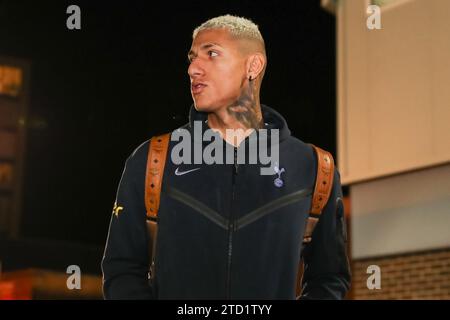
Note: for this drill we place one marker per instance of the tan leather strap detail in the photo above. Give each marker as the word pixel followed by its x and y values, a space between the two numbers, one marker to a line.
pixel 310 225
pixel 322 192
pixel 157 154
pixel 324 180
pixel 156 161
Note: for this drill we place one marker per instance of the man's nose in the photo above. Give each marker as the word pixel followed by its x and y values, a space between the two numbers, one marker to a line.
pixel 195 69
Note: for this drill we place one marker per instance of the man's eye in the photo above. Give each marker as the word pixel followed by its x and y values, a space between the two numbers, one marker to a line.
pixel 210 52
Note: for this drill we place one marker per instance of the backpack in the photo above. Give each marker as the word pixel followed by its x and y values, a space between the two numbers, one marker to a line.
pixel 156 161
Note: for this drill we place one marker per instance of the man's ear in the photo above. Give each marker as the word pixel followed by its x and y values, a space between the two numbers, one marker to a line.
pixel 255 65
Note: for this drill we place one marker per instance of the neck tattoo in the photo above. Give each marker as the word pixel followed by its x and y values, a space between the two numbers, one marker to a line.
pixel 244 108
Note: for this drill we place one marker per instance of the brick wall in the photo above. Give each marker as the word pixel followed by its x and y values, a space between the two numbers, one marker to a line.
pixel 420 275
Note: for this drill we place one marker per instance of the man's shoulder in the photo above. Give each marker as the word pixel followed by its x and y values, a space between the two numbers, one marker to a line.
pixel 300 149
pixel 141 152
pixel 305 152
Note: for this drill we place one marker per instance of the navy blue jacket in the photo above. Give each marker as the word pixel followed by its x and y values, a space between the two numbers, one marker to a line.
pixel 226 231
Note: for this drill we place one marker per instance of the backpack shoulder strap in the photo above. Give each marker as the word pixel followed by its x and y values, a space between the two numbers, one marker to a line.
pixel 157 154
pixel 322 189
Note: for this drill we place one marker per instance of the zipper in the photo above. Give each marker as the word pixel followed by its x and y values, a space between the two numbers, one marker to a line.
pixel 231 225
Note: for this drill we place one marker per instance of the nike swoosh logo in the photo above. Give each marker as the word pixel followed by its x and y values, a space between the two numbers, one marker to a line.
pixel 180 173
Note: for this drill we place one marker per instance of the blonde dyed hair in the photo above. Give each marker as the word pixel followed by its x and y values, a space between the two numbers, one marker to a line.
pixel 239 27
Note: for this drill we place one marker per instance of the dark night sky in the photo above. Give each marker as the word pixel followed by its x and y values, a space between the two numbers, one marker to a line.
pixel 99 92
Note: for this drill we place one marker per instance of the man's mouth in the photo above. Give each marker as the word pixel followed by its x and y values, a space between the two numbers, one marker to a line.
pixel 197 88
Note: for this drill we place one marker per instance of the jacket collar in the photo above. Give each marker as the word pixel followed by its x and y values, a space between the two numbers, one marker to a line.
pixel 272 120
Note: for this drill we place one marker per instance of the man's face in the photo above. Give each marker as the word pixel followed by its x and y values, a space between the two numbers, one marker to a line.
pixel 217 70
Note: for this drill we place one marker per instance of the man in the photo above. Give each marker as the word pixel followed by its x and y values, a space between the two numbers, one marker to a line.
pixel 227 231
